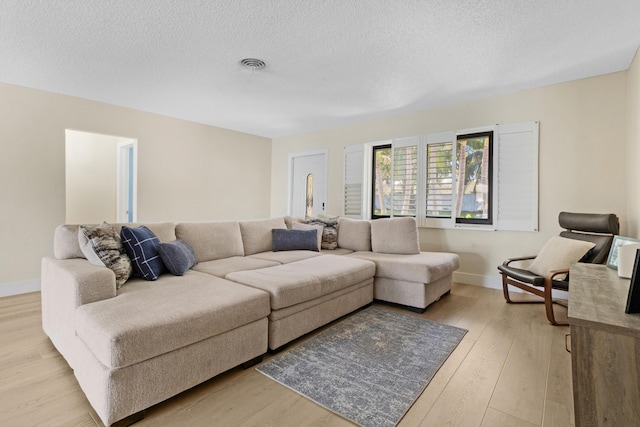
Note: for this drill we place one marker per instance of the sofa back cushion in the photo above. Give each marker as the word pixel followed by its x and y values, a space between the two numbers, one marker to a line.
pixel 212 240
pixel 395 236
pixel 65 237
pixel 354 234
pixel 256 235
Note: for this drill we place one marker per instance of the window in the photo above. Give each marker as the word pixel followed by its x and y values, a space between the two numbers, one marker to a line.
pixel 480 178
pixel 394 178
pixel 404 178
pixel 381 181
pixel 474 170
pixel 439 183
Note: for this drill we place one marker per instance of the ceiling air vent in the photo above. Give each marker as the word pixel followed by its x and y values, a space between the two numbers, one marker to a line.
pixel 252 64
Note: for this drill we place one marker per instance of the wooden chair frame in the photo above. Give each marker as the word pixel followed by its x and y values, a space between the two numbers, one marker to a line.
pixel 545 292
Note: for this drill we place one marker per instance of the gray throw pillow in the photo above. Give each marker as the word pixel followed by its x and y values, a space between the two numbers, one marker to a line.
pixel 329 232
pixel 294 240
pixel 178 256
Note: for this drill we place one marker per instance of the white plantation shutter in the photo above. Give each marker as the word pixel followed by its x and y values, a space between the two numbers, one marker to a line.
pixel 439 184
pixel 354 181
pixel 516 165
pixel 404 176
pixel 439 179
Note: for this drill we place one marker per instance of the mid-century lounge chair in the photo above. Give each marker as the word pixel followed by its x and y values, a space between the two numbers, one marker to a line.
pixel 586 238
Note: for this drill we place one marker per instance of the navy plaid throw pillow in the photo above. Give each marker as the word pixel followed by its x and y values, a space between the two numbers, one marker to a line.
pixel 142 247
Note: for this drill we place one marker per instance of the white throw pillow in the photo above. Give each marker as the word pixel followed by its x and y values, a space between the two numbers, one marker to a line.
pixel 318 228
pixel 558 254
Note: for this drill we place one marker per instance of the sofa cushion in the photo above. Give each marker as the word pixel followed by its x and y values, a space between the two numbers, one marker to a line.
pixel 354 234
pixel 337 251
pixel 256 235
pixel 212 240
pixel 178 311
pixel 290 220
pixel 65 242
pixel 285 257
pixel 329 231
pixel 424 267
pixel 101 245
pixel 141 244
pixel 294 240
pixel 395 236
pixel 224 266
pixel 303 226
pixel 300 281
pixel 177 256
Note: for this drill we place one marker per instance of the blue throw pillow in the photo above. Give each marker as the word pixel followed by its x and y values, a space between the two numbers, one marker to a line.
pixel 142 247
pixel 178 256
pixel 292 240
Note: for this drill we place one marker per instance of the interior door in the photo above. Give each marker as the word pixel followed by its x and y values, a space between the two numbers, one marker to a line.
pixel 308 184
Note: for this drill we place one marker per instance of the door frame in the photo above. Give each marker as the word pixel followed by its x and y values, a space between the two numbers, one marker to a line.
pixel 292 158
pixel 127 193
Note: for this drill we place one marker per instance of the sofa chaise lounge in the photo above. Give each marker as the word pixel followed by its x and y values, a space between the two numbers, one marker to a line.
pixel 134 346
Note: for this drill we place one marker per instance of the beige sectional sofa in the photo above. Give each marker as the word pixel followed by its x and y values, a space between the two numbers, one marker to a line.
pixel 137 345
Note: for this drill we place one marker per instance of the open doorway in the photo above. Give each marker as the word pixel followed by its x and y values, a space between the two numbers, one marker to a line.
pixel 101 178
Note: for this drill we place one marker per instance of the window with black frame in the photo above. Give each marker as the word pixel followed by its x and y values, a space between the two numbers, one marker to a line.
pixel 474 178
pixel 381 181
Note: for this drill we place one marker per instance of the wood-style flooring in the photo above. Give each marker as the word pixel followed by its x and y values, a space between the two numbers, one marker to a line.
pixel 511 369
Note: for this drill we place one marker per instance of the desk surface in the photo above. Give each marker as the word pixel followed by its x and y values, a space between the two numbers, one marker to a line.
pixel 597 299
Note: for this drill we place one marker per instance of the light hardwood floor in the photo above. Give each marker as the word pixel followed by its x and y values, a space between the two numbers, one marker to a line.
pixel 511 369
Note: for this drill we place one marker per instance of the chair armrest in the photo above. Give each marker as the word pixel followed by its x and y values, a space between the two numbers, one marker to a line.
pixel 549 277
pixel 553 273
pixel 523 258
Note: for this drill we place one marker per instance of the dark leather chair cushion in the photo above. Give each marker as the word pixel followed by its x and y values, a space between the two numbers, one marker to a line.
pixel 522 275
pixel 528 277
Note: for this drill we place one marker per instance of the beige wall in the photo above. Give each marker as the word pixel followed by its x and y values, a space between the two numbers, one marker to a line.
pixel 633 146
pixel 186 171
pixel 91 177
pixel 582 161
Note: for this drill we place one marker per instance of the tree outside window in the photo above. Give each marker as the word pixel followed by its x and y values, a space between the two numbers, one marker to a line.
pixel 381 199
pixel 474 178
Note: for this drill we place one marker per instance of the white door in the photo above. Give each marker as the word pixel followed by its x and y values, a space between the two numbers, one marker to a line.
pixel 308 183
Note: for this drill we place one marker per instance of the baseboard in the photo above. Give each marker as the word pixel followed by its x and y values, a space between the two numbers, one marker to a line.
pixel 16 288
pixel 495 282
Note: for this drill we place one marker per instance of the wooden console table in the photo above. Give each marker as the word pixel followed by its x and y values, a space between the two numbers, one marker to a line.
pixel 605 348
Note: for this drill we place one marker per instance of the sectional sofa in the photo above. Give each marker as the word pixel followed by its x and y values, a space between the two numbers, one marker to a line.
pixel 136 345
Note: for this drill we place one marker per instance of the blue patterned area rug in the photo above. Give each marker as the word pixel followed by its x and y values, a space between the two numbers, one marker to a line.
pixel 369 368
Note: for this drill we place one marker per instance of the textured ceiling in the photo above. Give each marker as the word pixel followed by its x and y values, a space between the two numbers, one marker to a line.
pixel 329 62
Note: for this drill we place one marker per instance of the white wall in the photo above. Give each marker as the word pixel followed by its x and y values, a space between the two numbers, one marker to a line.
pixel 582 162
pixel 633 147
pixel 186 171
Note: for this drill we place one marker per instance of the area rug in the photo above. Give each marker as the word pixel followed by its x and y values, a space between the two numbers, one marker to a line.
pixel 369 368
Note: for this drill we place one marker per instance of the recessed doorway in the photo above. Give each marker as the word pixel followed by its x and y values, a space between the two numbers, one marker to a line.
pixel 100 177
